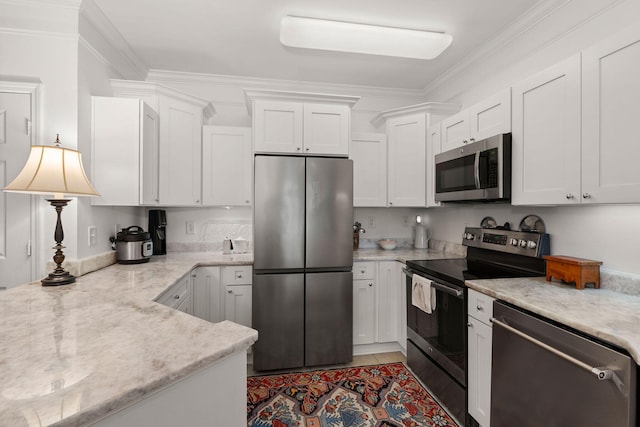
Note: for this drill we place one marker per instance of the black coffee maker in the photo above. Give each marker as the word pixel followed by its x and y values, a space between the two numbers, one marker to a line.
pixel 158 230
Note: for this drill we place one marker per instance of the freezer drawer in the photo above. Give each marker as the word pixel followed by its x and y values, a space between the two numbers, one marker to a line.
pixel 329 318
pixel 278 316
pixel 542 376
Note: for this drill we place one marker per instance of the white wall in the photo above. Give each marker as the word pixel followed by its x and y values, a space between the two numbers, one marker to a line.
pixel 605 233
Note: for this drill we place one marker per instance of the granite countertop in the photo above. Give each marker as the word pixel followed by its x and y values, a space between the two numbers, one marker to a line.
pixel 605 314
pixel 402 254
pixel 71 354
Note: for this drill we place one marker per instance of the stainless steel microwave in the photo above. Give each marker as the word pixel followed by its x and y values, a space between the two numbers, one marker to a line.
pixel 476 172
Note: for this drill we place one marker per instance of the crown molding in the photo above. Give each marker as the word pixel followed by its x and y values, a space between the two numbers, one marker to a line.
pixel 441 108
pixel 103 37
pixel 281 95
pixel 245 83
pixel 525 23
pixel 136 89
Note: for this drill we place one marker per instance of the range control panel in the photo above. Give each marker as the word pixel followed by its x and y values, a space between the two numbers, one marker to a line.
pixel 527 243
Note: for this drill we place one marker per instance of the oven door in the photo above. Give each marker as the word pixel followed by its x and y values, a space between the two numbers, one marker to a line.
pixel 440 335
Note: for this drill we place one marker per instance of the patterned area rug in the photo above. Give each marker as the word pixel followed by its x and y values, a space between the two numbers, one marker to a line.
pixel 377 396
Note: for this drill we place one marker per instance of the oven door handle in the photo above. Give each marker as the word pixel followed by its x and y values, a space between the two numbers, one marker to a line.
pixel 446 289
pixel 600 373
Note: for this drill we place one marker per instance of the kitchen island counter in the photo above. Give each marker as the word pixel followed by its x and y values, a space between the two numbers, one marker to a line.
pixel 74 354
pixel 605 314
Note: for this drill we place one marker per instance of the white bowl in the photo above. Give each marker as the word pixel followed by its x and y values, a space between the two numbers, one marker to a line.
pixel 387 244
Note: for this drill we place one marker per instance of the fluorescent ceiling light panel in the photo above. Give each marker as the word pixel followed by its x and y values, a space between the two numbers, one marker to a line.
pixel 312 33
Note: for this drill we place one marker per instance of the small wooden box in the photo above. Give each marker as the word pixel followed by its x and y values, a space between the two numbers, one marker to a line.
pixel 577 270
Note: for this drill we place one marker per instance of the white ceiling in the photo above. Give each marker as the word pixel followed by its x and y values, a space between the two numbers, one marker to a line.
pixel 241 37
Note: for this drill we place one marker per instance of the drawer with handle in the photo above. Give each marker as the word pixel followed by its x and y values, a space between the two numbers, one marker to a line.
pixel 364 270
pixel 480 306
pixel 176 294
pixel 237 275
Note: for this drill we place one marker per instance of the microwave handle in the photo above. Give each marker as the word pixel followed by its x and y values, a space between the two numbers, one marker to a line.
pixel 476 170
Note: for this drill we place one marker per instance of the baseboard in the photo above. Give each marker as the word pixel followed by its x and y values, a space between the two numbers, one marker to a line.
pixel 387 347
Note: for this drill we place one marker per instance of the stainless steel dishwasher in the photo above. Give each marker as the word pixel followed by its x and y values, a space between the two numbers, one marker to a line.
pixel 547 375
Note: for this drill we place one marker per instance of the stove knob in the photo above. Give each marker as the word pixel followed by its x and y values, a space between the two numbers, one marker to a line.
pixel 531 244
pixel 513 242
pixel 522 243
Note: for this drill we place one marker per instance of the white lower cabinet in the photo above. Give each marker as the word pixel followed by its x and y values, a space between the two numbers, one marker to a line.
pixel 479 335
pixel 179 295
pixel 377 302
pixel 207 303
pixel 237 290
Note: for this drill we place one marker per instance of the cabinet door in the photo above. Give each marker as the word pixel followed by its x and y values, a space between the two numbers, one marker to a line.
pixel 227 166
pixel 388 301
pixel 433 148
pixel 369 155
pixel 479 360
pixel 491 116
pixel 115 139
pixel 277 127
pixel 407 160
pixel 207 295
pixel 237 305
pixel 149 152
pixel 610 107
pixel 546 136
pixel 180 153
pixel 363 311
pixel 455 131
pixel 326 129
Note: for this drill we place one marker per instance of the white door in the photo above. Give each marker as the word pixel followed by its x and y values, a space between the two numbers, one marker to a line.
pixel 610 111
pixel 16 220
pixel 326 129
pixel 363 311
pixel 491 116
pixel 455 131
pixel 546 136
pixel 389 302
pixel 407 160
pixel 369 155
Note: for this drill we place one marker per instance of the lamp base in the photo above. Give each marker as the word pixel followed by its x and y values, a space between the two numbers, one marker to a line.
pixel 57 278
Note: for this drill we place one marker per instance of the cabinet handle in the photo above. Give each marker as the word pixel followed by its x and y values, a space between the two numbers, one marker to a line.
pixel 246 201
pixel 472 139
pixel 479 308
pixel 229 292
pixel 469 324
pixel 370 284
pixel 197 201
pixel 586 196
pixel 390 203
pixel 363 271
pixel 464 141
pixel 569 196
pixel 176 297
pixel 306 149
pixel 298 148
pixel 239 276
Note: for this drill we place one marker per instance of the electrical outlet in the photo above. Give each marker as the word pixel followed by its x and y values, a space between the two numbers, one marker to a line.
pixel 405 220
pixel 93 235
pixel 191 227
pixel 372 222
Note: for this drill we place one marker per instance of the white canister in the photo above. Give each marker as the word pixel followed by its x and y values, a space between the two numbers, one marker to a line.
pixel 421 238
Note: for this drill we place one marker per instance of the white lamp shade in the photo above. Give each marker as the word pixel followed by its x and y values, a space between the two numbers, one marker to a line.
pixel 53 170
pixel 312 33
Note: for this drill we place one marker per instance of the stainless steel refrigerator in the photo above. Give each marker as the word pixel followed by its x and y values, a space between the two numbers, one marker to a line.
pixel 303 255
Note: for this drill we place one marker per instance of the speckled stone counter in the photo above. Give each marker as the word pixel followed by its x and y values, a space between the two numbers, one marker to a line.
pixel 608 315
pixel 402 255
pixel 72 354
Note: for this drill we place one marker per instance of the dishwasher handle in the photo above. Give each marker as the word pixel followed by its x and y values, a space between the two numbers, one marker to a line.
pixel 446 289
pixel 600 373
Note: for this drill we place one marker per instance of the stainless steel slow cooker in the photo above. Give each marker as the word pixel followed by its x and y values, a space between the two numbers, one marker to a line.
pixel 133 246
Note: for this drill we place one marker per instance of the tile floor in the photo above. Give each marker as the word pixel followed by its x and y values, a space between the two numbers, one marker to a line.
pixel 363 360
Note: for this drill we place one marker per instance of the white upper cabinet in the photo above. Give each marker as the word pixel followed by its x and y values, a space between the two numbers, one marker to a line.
pixel 407 165
pixel 369 155
pixel 489 117
pixel 546 136
pixel 181 117
pixel 300 123
pixel 327 129
pixel 278 126
pixel 433 148
pixel 124 137
pixel 227 166
pixel 407 160
pixel 610 112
